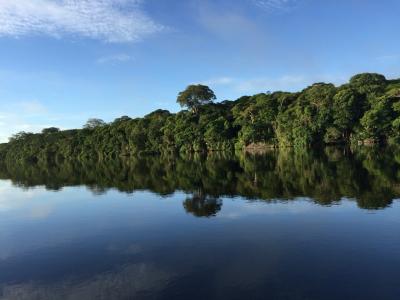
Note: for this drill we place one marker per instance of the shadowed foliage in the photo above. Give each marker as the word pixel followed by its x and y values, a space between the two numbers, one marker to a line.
pixel 370 176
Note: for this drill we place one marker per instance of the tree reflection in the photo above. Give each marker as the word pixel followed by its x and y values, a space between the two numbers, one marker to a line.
pixel 200 205
pixel 370 176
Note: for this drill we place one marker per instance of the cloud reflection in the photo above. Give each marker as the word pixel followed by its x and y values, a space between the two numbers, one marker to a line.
pixel 128 282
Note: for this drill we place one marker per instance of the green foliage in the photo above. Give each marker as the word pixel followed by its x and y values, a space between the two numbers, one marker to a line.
pixel 367 109
pixel 348 107
pixel 369 83
pixel 50 130
pixel 257 119
pixel 194 96
pixel 376 122
pixel 304 123
pixel 93 123
pixel 333 136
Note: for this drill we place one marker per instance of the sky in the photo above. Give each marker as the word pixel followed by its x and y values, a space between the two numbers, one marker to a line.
pixel 64 61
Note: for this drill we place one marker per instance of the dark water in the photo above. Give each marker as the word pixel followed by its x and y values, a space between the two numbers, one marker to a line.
pixel 275 226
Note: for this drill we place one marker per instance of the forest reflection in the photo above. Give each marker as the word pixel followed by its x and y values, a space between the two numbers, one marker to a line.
pixel 370 176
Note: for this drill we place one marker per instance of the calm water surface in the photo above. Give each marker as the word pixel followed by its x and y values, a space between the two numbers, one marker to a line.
pixel 272 226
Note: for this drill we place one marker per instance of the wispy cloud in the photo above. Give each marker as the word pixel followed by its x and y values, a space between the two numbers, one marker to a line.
pixel 270 84
pixel 32 107
pixel 107 20
pixel 34 115
pixel 113 59
pixel 219 81
pixel 393 58
pixel 275 5
pixel 260 84
pixel 13 123
pixel 29 116
pixel 234 27
pixel 263 84
pixel 226 24
pixel 125 282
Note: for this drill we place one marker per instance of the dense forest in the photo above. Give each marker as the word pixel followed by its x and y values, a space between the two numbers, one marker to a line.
pixel 366 110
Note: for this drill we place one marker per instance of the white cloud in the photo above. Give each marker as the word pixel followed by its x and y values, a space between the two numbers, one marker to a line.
pixel 117 58
pixel 107 20
pixel 274 5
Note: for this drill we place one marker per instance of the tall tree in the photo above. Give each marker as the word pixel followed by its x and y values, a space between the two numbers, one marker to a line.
pixel 50 130
pixel 93 123
pixel 194 96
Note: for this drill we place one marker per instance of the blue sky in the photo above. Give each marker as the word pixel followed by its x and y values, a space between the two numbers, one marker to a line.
pixel 64 61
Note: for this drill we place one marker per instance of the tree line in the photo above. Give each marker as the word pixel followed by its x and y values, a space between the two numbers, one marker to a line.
pixel 366 110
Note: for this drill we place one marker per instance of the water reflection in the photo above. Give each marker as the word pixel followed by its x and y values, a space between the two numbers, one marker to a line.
pixel 281 225
pixel 369 176
pixel 201 205
pixel 127 282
